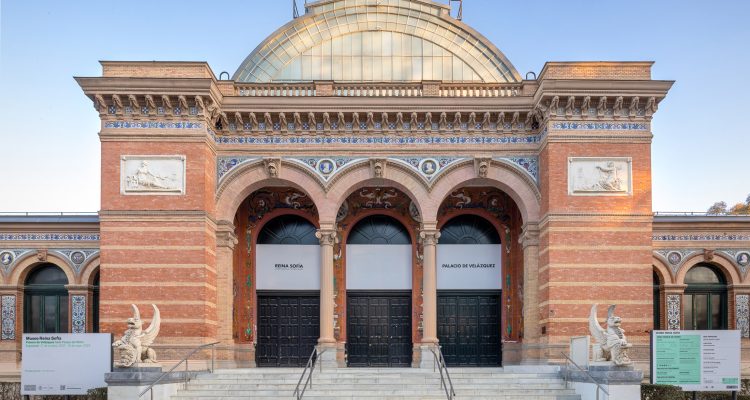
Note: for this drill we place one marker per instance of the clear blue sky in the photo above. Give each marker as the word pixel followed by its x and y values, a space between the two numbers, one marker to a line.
pixel 48 137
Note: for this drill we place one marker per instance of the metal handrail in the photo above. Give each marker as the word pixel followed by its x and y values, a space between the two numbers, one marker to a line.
pixel 311 361
pixel 439 360
pixel 184 360
pixel 598 386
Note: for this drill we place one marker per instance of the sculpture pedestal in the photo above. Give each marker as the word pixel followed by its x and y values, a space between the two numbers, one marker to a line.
pixel 622 382
pixel 128 383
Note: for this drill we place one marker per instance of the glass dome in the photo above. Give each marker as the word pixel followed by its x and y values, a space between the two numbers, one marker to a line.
pixel 376 41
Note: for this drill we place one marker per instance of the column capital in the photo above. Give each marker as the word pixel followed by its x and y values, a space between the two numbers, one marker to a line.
pixel 429 238
pixel 225 236
pixel 529 235
pixel 327 237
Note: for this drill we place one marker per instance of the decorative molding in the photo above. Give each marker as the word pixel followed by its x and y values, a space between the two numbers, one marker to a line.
pixel 78 316
pixel 378 167
pixel 530 164
pixel 9 257
pixel 400 140
pixel 674 311
pixel 324 167
pixel 600 176
pixel 482 166
pixel 742 314
pixel 428 167
pixel 153 175
pixel 8 316
pixel 49 237
pixel 599 126
pixel 705 237
pixel 226 164
pixel 273 166
pixel 153 125
pixel 429 238
pixel 675 257
pixel 739 257
pixel 327 237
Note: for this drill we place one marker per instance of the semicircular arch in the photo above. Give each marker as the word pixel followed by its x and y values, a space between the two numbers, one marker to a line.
pixel 29 263
pixel 719 261
pixel 243 180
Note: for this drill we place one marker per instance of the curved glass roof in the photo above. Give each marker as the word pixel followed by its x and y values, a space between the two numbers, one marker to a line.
pixel 376 41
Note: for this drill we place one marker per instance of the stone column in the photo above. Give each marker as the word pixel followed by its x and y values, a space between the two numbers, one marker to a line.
pixel 531 351
pixel 672 311
pixel 327 340
pixel 429 239
pixel 78 298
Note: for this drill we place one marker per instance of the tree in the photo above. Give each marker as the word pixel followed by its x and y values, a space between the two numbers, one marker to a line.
pixel 720 208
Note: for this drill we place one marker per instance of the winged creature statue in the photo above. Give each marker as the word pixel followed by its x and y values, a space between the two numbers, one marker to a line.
pixel 134 344
pixel 612 344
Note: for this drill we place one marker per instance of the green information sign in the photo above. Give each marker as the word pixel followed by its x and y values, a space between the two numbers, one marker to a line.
pixel 696 360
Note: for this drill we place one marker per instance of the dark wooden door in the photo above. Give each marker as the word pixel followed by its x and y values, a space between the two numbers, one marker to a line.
pixel 288 329
pixel 379 330
pixel 469 328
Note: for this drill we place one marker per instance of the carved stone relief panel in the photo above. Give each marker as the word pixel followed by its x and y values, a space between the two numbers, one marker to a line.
pixel 673 311
pixel 152 175
pixel 600 176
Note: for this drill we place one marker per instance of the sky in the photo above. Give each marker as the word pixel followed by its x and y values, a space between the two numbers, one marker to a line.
pixel 49 145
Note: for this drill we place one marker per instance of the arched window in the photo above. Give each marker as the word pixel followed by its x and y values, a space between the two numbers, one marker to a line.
pixel 705 298
pixel 378 229
pixel 46 300
pixel 95 304
pixel 288 229
pixel 469 229
pixel 657 303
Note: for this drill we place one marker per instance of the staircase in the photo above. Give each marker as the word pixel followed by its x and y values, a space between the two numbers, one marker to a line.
pixel 510 383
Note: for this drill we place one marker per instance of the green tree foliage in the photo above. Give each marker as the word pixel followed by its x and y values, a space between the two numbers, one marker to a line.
pixel 721 208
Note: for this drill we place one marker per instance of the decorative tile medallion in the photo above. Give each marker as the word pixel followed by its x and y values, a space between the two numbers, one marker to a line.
pixel 6 259
pixel 740 256
pixel 673 311
pixel 76 257
pixel 79 313
pixel 742 313
pixel 676 257
pixel 428 167
pixel 8 316
pixel 600 176
pixel 324 167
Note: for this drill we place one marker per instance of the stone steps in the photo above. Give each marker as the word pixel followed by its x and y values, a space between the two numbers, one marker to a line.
pixel 511 383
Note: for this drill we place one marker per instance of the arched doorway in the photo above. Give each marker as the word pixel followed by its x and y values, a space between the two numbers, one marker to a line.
pixel 705 298
pixel 46 300
pixel 656 300
pixel 469 283
pixel 95 304
pixel 379 283
pixel 288 284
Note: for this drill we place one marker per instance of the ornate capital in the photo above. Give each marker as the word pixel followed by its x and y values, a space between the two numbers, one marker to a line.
pixel 377 167
pixel 327 237
pixel 529 235
pixel 429 238
pixel 273 166
pixel 225 236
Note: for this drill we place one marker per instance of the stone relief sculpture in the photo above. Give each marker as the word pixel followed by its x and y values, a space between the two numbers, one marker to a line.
pixel 133 347
pixel 144 178
pixel 600 175
pixel 611 343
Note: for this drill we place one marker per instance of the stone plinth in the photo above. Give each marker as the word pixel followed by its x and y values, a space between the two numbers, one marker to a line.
pixel 128 383
pixel 622 382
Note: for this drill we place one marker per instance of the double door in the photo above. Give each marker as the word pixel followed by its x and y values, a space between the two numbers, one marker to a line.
pixel 379 329
pixel 469 328
pixel 288 328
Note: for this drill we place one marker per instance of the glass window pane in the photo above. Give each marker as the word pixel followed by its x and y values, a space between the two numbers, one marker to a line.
pixel 63 313
pixel 701 274
pixel 34 315
pixel 700 303
pixel 716 317
pixel 50 314
pixel 687 321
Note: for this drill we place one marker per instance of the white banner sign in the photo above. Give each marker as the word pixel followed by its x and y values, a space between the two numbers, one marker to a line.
pixel 64 363
pixel 469 266
pixel 287 267
pixel 696 360
pixel 378 266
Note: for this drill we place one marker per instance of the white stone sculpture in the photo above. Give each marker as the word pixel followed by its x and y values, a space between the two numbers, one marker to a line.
pixel 611 343
pixel 133 347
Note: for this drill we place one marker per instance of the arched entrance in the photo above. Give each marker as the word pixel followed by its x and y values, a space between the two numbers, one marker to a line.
pixel 277 277
pixel 705 298
pixel 469 283
pixel 379 283
pixel 46 300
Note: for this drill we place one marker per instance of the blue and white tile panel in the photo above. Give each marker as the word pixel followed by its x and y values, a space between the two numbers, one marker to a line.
pixel 78 305
pixel 8 317
pixel 49 237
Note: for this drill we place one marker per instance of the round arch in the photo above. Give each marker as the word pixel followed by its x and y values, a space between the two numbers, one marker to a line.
pixel 665 274
pixel 359 176
pixel 25 265
pixel 88 272
pixel 719 261
pixel 506 178
pixel 246 179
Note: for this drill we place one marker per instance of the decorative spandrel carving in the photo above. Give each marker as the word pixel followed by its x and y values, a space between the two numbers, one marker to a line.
pixel 491 200
pixel 152 175
pixel 612 345
pixel 600 176
pixel 134 346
